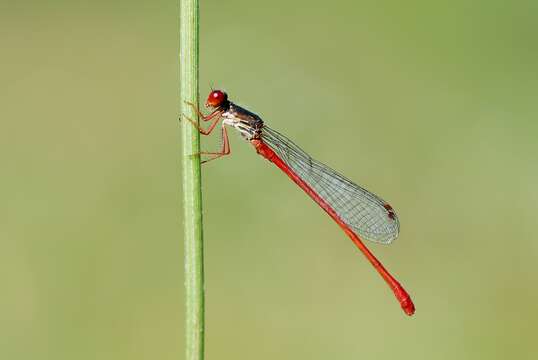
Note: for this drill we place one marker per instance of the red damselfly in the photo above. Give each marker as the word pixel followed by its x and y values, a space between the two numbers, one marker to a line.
pixel 360 213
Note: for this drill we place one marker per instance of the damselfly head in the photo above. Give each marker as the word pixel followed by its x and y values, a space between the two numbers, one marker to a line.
pixel 216 98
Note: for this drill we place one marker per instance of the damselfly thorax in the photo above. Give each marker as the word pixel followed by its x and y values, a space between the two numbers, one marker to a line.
pixel 247 123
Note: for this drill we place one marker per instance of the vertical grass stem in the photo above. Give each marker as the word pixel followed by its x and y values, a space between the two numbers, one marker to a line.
pixel 191 180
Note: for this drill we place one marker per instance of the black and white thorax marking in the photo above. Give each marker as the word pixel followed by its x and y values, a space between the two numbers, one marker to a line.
pixel 247 123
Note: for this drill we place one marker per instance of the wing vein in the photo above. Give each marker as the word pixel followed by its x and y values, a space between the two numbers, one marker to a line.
pixel 364 212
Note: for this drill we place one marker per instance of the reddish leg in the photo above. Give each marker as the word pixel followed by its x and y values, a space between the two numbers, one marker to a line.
pixel 201 114
pixel 225 147
pixel 210 128
pixel 224 135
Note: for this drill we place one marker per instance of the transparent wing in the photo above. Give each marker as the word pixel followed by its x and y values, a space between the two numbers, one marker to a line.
pixel 365 213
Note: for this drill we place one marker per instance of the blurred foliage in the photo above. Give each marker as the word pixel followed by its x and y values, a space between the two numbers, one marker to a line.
pixel 432 105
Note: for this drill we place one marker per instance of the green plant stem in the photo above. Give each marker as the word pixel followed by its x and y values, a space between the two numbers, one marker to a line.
pixel 192 190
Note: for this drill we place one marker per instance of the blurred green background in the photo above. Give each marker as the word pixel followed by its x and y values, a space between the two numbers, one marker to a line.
pixel 432 105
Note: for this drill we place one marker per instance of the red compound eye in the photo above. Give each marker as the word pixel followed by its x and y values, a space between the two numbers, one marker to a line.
pixel 216 98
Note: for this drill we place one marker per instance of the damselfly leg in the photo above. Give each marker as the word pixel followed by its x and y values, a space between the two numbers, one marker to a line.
pixel 215 116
